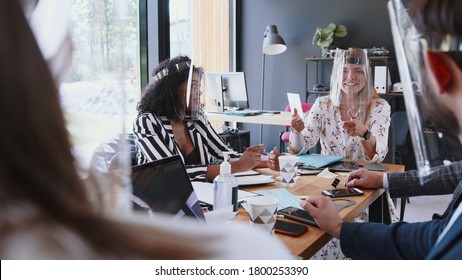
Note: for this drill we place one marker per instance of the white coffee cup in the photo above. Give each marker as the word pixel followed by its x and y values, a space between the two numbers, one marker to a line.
pixel 262 211
pixel 288 167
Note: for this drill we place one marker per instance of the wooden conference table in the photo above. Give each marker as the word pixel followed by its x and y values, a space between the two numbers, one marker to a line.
pixel 306 245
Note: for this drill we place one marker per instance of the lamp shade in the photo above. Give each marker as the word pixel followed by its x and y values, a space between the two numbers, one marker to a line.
pixel 273 43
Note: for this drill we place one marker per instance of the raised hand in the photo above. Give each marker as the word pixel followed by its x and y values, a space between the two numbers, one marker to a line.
pixel 297 123
pixel 353 126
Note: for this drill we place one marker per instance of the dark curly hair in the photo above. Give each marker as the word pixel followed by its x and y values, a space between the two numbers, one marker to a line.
pixel 161 97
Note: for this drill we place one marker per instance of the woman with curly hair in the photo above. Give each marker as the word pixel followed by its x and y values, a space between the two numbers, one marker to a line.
pixel 169 125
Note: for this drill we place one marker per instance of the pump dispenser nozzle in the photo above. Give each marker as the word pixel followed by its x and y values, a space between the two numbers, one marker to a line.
pixel 225 167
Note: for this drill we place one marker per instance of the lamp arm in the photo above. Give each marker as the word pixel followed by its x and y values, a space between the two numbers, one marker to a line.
pixel 262 91
pixel 262 79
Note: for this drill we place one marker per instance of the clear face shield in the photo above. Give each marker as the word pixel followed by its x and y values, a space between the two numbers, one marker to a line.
pixel 351 87
pixel 429 122
pixel 194 99
pixel 190 100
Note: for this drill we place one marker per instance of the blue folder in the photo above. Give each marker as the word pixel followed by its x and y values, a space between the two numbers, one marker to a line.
pixel 316 161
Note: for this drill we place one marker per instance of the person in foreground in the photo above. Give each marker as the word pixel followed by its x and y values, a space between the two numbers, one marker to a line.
pixel 45 210
pixel 167 124
pixel 438 27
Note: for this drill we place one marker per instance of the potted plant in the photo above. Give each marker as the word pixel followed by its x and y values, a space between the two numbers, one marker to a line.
pixel 324 37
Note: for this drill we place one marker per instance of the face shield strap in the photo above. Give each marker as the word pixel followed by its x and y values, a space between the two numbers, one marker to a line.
pixel 185 65
pixel 354 60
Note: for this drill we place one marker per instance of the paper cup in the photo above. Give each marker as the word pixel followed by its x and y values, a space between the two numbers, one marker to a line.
pixel 288 167
pixel 262 211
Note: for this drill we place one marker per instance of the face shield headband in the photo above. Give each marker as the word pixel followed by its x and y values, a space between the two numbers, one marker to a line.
pixel 425 115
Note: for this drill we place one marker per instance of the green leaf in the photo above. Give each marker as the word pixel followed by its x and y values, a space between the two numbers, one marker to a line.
pixel 331 26
pixel 341 31
pixel 317 34
pixel 324 42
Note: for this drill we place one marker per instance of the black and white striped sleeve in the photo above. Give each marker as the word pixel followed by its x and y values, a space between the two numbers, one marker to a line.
pixel 152 141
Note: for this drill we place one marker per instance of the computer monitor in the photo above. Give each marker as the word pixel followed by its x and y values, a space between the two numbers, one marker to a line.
pixel 228 90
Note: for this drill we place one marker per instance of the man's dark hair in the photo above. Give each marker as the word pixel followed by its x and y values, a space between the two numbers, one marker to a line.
pixel 435 20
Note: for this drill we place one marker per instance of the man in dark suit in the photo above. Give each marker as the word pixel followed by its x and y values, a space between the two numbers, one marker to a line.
pixel 441 67
pixel 443 180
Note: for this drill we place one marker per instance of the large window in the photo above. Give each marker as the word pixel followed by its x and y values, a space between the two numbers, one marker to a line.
pixel 204 30
pixel 103 88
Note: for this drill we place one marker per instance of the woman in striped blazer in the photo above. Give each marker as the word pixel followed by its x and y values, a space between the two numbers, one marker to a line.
pixel 161 128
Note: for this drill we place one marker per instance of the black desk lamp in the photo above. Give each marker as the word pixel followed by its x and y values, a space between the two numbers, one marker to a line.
pixel 273 44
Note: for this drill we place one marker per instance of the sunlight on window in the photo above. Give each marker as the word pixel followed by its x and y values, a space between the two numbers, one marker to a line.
pixel 100 95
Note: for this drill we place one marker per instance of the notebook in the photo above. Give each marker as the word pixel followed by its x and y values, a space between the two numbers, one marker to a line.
pixel 317 161
pixel 164 185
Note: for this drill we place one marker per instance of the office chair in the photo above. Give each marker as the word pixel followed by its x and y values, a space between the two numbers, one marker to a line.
pixel 107 156
pixel 284 136
pixel 390 157
pixel 401 129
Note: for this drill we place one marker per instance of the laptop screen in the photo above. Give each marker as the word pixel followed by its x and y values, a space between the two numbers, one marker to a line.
pixel 164 185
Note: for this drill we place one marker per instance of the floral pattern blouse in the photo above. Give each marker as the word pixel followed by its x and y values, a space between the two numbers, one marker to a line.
pixel 324 122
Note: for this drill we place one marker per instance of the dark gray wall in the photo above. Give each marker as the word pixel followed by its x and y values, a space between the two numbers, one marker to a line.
pixel 367 22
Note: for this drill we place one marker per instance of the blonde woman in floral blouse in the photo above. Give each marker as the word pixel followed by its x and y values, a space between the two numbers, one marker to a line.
pixel 353 122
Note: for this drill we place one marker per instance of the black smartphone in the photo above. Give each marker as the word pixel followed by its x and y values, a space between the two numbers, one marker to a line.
pixel 343 192
pixel 298 215
pixel 288 228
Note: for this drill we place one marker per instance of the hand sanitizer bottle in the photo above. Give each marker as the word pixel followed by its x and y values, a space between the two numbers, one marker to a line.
pixel 225 186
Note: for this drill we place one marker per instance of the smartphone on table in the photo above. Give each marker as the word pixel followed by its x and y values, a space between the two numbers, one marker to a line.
pixel 343 192
pixel 288 228
pixel 298 215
